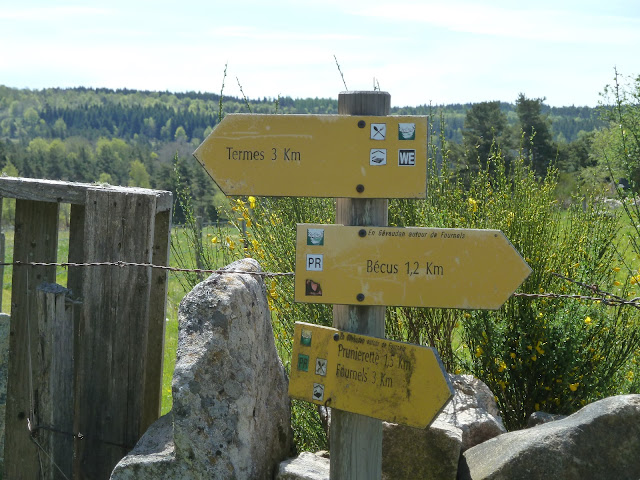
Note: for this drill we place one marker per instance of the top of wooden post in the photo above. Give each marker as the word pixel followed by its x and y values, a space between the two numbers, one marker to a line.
pixel 364 103
pixel 56 191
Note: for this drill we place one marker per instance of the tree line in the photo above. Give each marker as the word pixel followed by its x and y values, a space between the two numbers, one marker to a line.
pixel 144 138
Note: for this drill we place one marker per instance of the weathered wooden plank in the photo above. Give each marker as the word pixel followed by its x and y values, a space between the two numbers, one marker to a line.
pixel 157 320
pixel 2 253
pixel 71 192
pixel 36 235
pixel 74 284
pixel 42 190
pixel 55 409
pixel 356 440
pixel 112 359
pixel 2 259
pixel 76 250
pixel 4 366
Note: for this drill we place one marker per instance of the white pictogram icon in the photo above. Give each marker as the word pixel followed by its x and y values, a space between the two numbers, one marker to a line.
pixel 378 131
pixel 378 156
pixel 318 391
pixel 321 366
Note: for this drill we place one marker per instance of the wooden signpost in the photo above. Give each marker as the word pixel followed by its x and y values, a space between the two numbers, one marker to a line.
pixel 362 157
pixel 356 440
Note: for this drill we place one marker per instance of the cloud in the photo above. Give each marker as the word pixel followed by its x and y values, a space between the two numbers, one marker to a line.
pixel 253 33
pixel 51 14
pixel 540 23
pixel 418 50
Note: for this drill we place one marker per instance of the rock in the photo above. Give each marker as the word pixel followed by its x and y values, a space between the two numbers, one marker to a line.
pixel 230 400
pixel 612 203
pixel 471 416
pixel 473 410
pixel 429 454
pixel 538 418
pixel 231 413
pixel 600 441
pixel 306 466
pixel 153 456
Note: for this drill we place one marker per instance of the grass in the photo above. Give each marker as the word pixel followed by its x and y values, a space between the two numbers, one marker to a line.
pixel 175 294
pixel 61 272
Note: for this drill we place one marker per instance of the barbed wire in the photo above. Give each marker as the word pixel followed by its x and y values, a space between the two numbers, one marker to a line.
pixel 598 295
pixel 120 263
pixel 635 302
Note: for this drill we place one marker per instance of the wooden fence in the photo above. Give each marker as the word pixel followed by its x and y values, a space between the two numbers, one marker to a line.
pixel 85 362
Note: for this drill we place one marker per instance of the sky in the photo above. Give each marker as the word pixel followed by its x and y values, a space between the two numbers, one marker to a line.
pixel 421 52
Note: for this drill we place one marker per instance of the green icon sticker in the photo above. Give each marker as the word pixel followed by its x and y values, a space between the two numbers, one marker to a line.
pixel 303 362
pixel 315 236
pixel 406 131
pixel 305 338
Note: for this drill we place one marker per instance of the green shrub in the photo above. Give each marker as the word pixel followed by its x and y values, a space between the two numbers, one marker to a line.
pixel 552 354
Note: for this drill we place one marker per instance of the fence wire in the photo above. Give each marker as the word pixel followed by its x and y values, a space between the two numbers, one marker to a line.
pixel 120 263
pixel 597 294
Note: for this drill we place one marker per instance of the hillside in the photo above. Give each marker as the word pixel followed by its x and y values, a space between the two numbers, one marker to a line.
pixel 132 137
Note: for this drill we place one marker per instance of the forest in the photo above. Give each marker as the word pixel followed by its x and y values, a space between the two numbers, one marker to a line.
pixel 145 138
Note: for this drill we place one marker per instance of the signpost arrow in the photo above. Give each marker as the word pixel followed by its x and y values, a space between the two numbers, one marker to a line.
pixel 415 267
pixel 318 155
pixel 392 381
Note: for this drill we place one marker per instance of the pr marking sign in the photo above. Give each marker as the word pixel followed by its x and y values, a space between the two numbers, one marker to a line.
pixel 415 267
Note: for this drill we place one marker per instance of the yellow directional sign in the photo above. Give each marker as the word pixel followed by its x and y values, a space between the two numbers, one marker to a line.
pixel 318 156
pixel 393 381
pixel 415 267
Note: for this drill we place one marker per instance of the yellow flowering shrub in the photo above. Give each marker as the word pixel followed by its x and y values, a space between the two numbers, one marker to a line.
pixel 547 353
pixel 533 353
pixel 267 228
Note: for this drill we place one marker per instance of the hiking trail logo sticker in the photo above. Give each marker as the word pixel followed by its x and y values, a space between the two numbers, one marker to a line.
pixel 303 363
pixel 406 131
pixel 315 236
pixel 314 262
pixel 378 131
pixel 378 156
pixel 312 288
pixel 305 337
